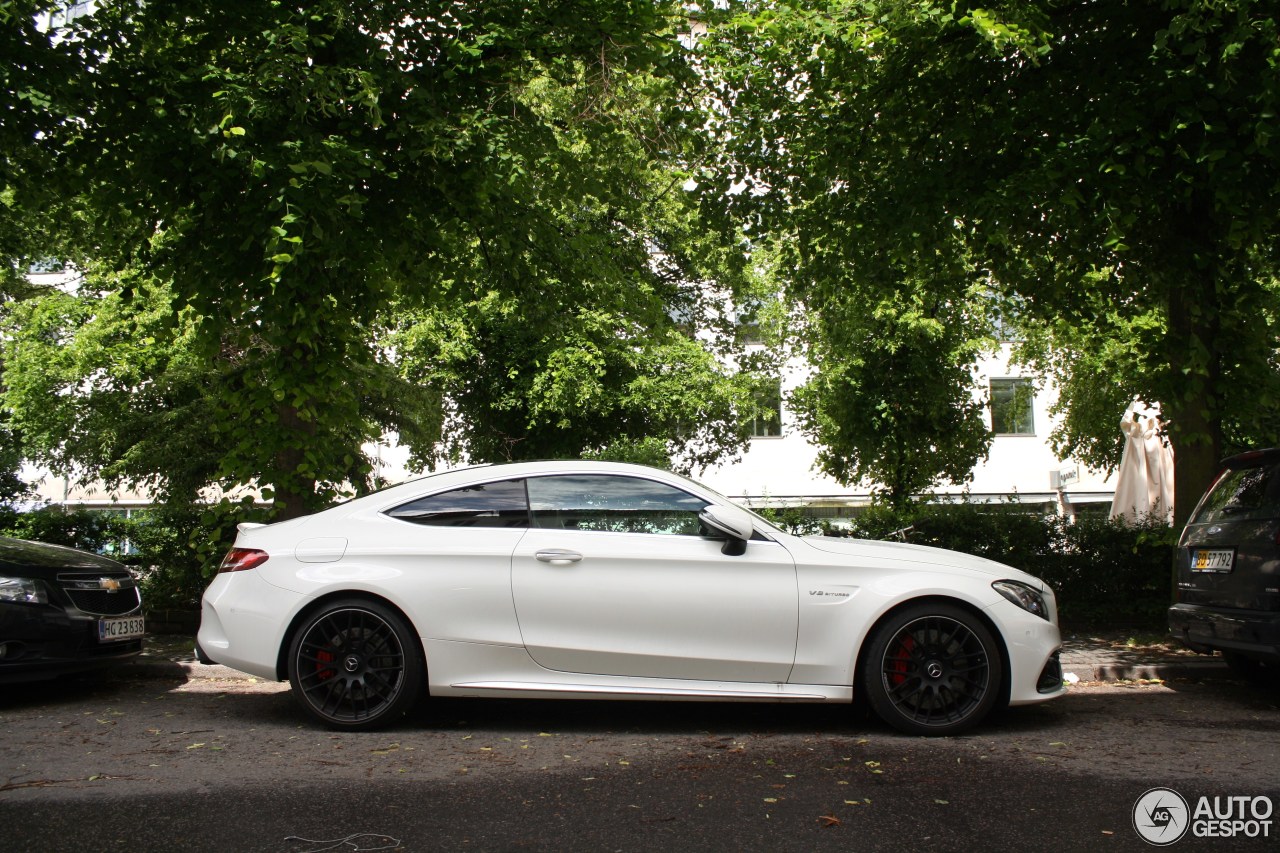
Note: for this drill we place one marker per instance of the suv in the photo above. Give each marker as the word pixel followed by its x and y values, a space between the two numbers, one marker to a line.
pixel 1228 568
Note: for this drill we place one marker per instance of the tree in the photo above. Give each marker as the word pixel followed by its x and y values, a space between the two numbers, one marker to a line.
pixel 1101 366
pixel 893 402
pixel 552 380
pixel 120 388
pixel 1080 154
pixel 280 173
pixel 34 88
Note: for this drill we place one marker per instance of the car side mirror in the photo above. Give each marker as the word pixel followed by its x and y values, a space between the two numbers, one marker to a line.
pixel 734 524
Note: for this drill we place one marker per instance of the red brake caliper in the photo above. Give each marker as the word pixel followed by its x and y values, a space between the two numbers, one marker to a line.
pixel 897 667
pixel 323 673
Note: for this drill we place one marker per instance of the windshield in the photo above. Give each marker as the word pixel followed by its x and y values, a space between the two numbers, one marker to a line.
pixel 760 520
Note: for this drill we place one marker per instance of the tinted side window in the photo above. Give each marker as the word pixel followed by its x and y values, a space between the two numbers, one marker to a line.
pixel 1244 494
pixel 501 504
pixel 613 504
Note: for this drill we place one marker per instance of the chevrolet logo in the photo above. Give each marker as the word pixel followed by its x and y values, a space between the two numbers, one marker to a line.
pixel 109 584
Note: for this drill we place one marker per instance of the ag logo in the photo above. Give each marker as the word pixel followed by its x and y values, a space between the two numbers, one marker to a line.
pixel 1161 816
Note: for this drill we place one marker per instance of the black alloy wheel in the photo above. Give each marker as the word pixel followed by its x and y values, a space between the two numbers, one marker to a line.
pixel 355 665
pixel 933 669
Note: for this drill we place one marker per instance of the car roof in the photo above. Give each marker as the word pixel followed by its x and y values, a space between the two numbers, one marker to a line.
pixel 510 470
pixel 1252 458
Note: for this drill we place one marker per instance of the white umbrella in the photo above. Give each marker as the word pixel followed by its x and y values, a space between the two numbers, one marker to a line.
pixel 1144 487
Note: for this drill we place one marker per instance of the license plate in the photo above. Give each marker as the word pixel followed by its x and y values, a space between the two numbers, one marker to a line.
pixel 1203 560
pixel 126 628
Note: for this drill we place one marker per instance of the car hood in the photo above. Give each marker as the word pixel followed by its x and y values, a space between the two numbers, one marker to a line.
pixel 37 559
pixel 928 558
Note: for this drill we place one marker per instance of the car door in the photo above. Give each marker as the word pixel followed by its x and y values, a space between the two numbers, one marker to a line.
pixel 613 578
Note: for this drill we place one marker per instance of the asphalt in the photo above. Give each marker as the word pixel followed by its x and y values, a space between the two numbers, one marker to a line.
pixel 1109 656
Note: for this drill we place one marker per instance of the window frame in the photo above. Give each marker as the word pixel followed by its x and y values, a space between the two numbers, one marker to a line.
pixel 392 512
pixel 621 527
pixel 1014 419
pixel 769 399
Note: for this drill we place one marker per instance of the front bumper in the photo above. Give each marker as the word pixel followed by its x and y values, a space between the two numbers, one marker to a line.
pixel 39 642
pixel 1034 646
pixel 1252 633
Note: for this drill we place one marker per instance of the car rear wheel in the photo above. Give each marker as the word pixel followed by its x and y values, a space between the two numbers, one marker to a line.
pixel 355 665
pixel 933 669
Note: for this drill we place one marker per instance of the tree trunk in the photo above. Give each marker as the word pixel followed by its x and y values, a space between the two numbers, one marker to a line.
pixel 295 491
pixel 1191 411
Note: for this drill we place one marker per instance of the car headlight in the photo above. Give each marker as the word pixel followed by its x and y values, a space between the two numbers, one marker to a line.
pixel 1027 597
pixel 22 591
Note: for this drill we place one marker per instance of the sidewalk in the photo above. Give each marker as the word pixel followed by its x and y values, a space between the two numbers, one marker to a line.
pixel 1105 657
pixel 1113 658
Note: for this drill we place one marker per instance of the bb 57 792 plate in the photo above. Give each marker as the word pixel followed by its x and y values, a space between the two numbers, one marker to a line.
pixel 1213 559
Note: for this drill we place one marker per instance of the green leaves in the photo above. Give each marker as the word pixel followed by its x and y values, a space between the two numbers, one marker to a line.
pixel 531 381
pixel 1136 139
pixel 892 403
pixel 291 182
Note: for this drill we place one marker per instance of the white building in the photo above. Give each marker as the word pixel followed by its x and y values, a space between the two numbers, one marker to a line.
pixel 778 469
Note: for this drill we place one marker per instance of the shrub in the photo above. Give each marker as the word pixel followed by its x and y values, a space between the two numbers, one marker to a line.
pixel 87 530
pixel 1104 572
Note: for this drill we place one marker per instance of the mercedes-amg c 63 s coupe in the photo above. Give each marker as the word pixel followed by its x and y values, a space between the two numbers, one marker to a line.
pixel 602 580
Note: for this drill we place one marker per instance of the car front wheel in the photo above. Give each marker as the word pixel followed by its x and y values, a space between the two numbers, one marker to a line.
pixel 355 665
pixel 933 669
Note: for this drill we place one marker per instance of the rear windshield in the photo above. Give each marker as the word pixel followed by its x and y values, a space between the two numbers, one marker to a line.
pixel 1243 494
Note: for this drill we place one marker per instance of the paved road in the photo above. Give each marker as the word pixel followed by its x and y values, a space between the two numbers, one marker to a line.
pixel 174 763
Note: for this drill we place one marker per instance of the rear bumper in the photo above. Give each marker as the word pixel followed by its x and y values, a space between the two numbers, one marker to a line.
pixel 1252 633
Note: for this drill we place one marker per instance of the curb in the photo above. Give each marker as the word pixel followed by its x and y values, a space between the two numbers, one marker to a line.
pixel 1160 671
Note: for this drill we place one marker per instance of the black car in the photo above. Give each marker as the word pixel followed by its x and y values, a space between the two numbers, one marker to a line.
pixel 63 610
pixel 1228 568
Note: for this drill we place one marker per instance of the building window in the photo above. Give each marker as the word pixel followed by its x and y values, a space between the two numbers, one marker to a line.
pixel 1011 407
pixel 766 414
pixel 1005 312
pixel 45 266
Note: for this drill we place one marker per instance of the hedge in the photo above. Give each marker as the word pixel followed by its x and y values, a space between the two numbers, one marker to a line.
pixel 169 550
pixel 1105 573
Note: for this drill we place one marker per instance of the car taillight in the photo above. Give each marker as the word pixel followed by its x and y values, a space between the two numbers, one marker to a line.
pixel 239 559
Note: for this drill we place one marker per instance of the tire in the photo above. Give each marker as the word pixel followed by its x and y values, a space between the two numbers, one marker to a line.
pixel 355 665
pixel 933 669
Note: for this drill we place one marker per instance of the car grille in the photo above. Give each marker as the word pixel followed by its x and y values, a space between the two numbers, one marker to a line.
pixel 101 593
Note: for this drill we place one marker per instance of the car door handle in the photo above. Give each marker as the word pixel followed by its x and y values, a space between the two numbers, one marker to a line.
pixel 558 556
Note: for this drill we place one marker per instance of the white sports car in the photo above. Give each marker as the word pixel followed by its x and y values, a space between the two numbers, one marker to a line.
pixel 599 580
